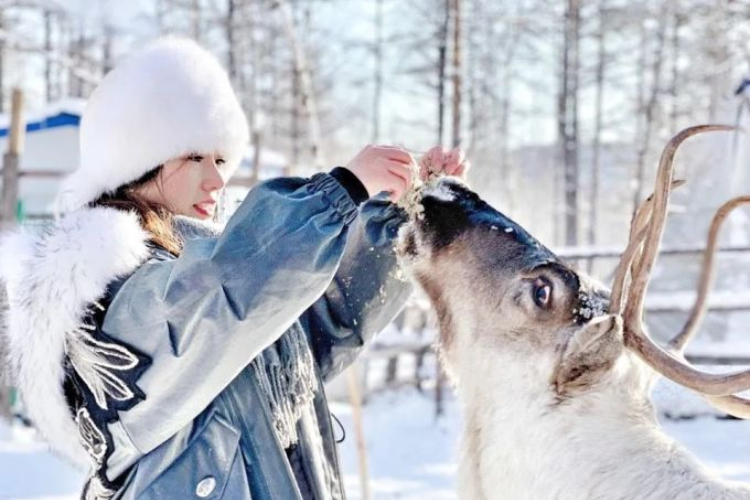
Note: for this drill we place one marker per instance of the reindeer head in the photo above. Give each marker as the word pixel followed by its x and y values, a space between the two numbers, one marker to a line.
pixel 500 294
pixel 497 289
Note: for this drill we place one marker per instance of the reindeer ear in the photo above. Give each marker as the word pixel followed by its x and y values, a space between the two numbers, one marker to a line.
pixel 589 354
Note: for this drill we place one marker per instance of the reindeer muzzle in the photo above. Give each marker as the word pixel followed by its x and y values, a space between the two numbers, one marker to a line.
pixel 451 209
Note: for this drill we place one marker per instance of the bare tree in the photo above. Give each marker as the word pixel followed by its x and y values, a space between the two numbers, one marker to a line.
pixel 442 62
pixel 47 60
pixel 456 10
pixel 107 60
pixel 196 16
pixel 3 37
pixel 567 117
pixel 302 79
pixel 650 108
pixel 601 58
pixel 230 22
pixel 676 53
pixel 378 71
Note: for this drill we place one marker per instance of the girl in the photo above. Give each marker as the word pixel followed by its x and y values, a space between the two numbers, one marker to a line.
pixel 177 361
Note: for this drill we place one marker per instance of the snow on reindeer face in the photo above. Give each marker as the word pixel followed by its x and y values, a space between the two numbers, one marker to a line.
pixel 490 281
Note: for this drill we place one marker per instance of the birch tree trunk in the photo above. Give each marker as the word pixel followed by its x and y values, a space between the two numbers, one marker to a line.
pixel 107 60
pixel 649 113
pixel 442 63
pixel 231 39
pixel 303 79
pixel 378 76
pixel 568 119
pixel 674 111
pixel 473 84
pixel 598 116
pixel 48 54
pixel 2 62
pixel 196 17
pixel 457 62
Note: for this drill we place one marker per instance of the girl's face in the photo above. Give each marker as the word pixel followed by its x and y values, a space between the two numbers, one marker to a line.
pixel 189 185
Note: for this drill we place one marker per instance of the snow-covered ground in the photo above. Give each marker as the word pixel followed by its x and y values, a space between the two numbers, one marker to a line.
pixel 411 454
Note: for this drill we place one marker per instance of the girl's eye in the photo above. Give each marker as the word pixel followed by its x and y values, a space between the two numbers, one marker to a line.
pixel 196 158
pixel 542 293
pixel 220 161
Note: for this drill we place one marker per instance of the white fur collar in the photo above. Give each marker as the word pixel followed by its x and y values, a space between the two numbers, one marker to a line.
pixel 52 278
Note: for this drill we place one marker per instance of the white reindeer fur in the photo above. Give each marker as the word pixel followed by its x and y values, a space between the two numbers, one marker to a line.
pixel 552 409
pixel 606 444
pixel 52 277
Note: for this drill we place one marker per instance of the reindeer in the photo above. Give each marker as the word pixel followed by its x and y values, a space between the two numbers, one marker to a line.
pixel 555 371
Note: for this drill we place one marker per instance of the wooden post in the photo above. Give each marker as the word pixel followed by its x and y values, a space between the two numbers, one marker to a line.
pixel 439 384
pixel 8 210
pixel 9 201
pixel 257 144
pixel 352 382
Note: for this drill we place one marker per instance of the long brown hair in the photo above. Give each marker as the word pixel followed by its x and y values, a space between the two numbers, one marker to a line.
pixel 155 218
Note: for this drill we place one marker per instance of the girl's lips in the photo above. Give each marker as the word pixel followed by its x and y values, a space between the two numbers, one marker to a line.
pixel 204 209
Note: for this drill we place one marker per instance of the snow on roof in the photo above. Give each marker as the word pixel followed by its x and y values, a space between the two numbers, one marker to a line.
pixel 37 117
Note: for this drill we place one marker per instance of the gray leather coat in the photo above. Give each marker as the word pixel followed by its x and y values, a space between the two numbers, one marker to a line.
pixel 299 273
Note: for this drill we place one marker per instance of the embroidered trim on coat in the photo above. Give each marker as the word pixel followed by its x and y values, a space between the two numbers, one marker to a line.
pixel 101 381
pixel 99 364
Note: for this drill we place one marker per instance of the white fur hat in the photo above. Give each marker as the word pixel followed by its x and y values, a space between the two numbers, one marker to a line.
pixel 168 100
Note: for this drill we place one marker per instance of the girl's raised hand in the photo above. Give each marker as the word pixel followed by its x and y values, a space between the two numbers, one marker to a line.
pixel 384 168
pixel 438 161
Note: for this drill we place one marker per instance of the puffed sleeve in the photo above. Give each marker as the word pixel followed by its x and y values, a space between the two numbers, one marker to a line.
pixel 366 293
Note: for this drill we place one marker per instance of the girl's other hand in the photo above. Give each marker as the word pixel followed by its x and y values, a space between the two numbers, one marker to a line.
pixel 384 168
pixel 439 161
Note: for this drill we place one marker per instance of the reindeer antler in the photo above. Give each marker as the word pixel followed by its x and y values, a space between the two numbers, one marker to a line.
pixel 636 265
pixel 707 273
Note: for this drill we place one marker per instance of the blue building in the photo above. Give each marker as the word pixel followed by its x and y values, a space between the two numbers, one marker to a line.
pixel 50 152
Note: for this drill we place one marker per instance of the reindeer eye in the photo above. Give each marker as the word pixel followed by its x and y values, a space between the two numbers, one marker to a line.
pixel 542 293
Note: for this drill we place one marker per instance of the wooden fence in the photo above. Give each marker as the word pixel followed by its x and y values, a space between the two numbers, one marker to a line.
pixel 417 352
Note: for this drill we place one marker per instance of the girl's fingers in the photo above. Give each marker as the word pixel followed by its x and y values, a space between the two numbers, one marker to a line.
pixel 397 154
pixel 401 161
pixel 425 167
pixel 435 161
pixel 401 181
pixel 403 172
pixel 436 156
pixel 455 158
pixel 431 161
pixel 461 170
pixel 452 168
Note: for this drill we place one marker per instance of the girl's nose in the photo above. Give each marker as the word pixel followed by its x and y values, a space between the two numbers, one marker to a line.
pixel 213 180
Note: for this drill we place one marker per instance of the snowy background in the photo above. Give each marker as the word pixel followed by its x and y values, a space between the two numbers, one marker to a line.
pixel 611 80
pixel 412 455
